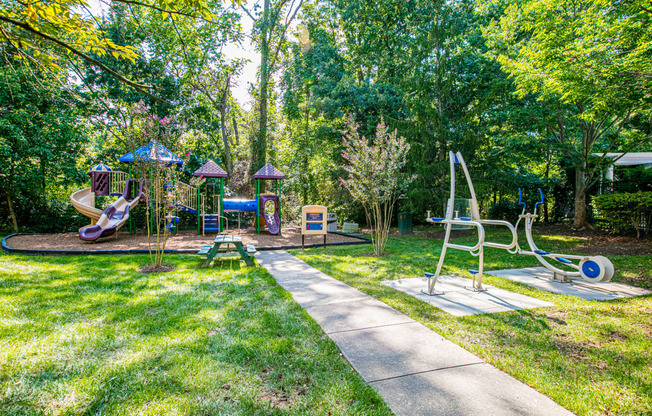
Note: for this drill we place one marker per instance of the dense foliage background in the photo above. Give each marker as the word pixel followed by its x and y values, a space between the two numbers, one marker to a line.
pixel 526 90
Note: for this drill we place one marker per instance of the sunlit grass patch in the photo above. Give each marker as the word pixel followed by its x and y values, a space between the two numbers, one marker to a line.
pixel 591 357
pixel 92 335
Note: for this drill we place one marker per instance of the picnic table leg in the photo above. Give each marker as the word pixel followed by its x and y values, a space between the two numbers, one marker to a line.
pixel 244 255
pixel 211 254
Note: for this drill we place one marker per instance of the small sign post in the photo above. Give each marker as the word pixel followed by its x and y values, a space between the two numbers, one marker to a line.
pixel 313 221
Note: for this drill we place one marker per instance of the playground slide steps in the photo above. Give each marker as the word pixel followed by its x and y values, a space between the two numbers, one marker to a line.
pixel 211 222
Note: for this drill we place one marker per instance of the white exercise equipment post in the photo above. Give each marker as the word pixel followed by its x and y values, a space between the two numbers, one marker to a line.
pixel 475 221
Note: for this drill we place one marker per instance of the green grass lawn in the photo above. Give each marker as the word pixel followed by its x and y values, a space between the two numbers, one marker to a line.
pixel 594 358
pixel 92 335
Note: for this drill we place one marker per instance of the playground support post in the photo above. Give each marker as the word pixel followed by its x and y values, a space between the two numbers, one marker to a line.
pixel 131 230
pixel 199 211
pixel 220 208
pixel 278 187
pixel 258 206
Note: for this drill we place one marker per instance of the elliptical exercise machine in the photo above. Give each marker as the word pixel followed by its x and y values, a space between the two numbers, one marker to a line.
pixel 591 268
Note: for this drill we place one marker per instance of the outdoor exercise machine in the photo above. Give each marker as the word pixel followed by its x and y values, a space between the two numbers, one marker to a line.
pixel 597 268
pixel 591 268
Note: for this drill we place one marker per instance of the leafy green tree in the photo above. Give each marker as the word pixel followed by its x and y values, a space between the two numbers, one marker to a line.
pixel 50 33
pixel 593 55
pixel 41 138
pixel 432 54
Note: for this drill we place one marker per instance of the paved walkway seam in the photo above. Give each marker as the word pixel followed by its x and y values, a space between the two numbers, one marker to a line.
pixel 424 372
pixel 368 327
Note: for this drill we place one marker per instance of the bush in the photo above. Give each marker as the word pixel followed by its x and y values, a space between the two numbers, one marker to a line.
pixel 505 210
pixel 621 211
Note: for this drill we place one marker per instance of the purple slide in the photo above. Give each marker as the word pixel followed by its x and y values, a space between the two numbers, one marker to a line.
pixel 273 220
pixel 114 216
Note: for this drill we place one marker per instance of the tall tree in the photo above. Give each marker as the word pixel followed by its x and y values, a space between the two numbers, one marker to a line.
pixel 194 50
pixel 270 33
pixel 592 54
pixel 50 33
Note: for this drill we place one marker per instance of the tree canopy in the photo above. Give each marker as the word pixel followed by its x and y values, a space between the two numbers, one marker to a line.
pixel 528 91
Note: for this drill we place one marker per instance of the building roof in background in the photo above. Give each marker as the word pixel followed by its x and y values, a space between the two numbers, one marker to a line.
pixel 211 170
pixel 630 159
pixel 268 172
pixel 153 151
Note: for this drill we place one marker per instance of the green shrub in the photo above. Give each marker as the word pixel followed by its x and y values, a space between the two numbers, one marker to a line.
pixel 505 210
pixel 621 211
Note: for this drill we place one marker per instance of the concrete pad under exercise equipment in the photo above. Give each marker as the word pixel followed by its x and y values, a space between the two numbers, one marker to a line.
pixel 539 277
pixel 415 370
pixel 459 301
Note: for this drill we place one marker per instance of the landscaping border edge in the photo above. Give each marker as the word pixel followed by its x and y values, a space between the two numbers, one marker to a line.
pixel 37 252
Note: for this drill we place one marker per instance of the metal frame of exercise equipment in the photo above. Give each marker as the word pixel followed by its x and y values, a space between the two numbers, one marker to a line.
pixel 597 268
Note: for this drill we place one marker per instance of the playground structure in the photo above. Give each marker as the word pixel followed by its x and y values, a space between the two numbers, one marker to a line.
pixel 596 268
pixel 266 207
pixel 208 208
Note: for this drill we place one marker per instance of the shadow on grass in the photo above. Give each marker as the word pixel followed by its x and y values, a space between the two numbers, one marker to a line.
pixel 586 355
pixel 84 335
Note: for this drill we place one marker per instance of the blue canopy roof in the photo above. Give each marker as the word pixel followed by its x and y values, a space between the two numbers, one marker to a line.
pixel 100 168
pixel 153 151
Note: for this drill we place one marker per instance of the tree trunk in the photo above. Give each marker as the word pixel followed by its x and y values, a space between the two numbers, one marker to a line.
pixel 580 199
pixel 225 140
pixel 259 150
pixel 225 137
pixel 544 206
pixel 14 221
pixel 235 132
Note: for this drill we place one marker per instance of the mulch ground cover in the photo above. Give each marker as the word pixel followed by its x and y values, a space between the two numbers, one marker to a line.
pixel 183 240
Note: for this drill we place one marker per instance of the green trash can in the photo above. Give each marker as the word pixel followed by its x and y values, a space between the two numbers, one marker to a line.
pixel 404 223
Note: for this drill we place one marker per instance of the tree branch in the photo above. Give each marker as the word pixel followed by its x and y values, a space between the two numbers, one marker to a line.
pixel 248 14
pixel 153 7
pixel 285 28
pixel 139 87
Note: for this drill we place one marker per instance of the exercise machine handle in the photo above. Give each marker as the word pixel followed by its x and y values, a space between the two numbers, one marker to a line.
pixel 540 202
pixel 520 200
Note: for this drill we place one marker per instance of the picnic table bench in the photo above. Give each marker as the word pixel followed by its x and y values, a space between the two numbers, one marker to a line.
pixel 212 252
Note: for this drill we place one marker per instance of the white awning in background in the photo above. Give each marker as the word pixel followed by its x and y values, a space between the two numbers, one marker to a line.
pixel 630 159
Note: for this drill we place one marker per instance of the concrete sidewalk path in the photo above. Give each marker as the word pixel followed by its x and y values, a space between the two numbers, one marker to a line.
pixel 415 370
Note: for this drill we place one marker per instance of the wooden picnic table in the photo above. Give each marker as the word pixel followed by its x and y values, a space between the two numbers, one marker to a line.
pixel 212 252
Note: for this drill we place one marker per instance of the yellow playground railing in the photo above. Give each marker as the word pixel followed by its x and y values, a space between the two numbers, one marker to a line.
pixel 118 181
pixel 187 196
